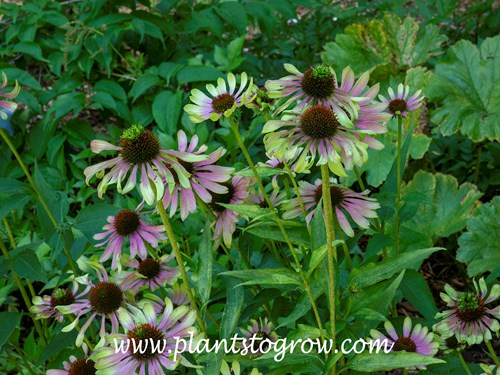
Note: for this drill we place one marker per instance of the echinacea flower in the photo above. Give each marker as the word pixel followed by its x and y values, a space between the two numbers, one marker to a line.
pixel 399 105
pixel 76 366
pixel 358 206
pixel 276 163
pixel 205 177
pixel 318 132
pixel 468 317
pixel 45 307
pixel 257 197
pixel 223 100
pixel 140 155
pixel 371 114
pixel 177 294
pixel 128 224
pixel 317 85
pixel 225 225
pixel 264 333
pixel 5 104
pixel 102 300
pixel 153 273
pixel 156 333
pixel 235 369
pixel 417 340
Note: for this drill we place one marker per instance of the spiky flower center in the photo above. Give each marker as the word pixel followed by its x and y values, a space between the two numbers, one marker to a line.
pixel 106 297
pixel 144 334
pixel 188 166
pixel 61 297
pixel 263 97
pixel 319 122
pixel 318 82
pixel 336 193
pixel 139 145
pixel 126 222
pixel 82 366
pixel 470 307
pixel 405 343
pixel 222 198
pixel 397 106
pixel 149 268
pixel 222 103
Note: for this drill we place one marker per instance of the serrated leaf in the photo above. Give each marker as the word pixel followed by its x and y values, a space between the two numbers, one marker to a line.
pixel 443 208
pixel 379 42
pixel 466 86
pixel 479 247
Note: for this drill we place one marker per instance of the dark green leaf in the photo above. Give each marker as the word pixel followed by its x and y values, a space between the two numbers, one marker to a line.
pixel 8 323
pixel 166 110
pixel 417 292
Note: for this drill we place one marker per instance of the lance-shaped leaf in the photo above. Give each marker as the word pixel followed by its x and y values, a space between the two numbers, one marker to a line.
pixel 479 246
pixel 466 86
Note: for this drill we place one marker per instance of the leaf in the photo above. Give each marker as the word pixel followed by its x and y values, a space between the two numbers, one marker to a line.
pixel 372 273
pixel 232 310
pixel 419 145
pixel 31 49
pixel 205 252
pixel 205 19
pixel 317 256
pixel 443 208
pixel 8 323
pixel 479 246
pixel 234 14
pixel 198 74
pixel 417 292
pixel 166 110
pixel 65 103
pixel 370 362
pixel 269 276
pixel 298 236
pixel 143 84
pixel 250 210
pixel 13 202
pixel 380 42
pixel 261 171
pixel 466 86
pixel 27 265
pixel 91 219
pixel 112 88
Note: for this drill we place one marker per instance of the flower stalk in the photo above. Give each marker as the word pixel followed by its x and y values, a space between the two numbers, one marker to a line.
pixel 398 191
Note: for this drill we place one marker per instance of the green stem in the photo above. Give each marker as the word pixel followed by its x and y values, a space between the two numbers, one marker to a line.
pixel 478 164
pixel 492 353
pixel 464 364
pixel 405 371
pixel 398 192
pixel 40 198
pixel 234 127
pixel 24 294
pixel 180 262
pixel 330 237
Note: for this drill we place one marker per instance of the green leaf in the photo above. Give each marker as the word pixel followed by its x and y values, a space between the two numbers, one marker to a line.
pixel 298 236
pixel 443 208
pixel 13 202
pixel 380 42
pixel 8 323
pixel 205 19
pixel 206 255
pixel 250 210
pixel 27 265
pixel 261 171
pixel 419 145
pixel 31 49
pixel 269 276
pixel 232 310
pixel 166 110
pixel 143 84
pixel 372 273
pixel 112 88
pixel 234 14
pixel 65 103
pixel 417 292
pixel 198 74
pixel 370 362
pixel 466 86
pixel 318 255
pixel 91 219
pixel 479 246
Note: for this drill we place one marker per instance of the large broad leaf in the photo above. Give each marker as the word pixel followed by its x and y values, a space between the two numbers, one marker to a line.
pixel 479 247
pixel 467 87
pixel 435 207
pixel 379 42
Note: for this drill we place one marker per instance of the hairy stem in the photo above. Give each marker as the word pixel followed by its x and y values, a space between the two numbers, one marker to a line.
pixel 398 191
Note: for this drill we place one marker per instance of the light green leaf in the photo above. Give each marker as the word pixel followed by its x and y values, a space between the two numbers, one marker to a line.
pixel 370 362
pixel 479 247
pixel 250 210
pixel 466 86
pixel 261 171
pixel 379 42
pixel 206 254
pixel 443 208
pixel 269 276
pixel 372 273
